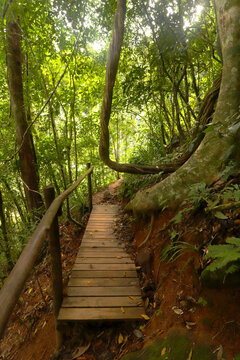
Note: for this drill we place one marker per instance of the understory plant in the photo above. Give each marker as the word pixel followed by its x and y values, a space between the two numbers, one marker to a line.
pixel 225 257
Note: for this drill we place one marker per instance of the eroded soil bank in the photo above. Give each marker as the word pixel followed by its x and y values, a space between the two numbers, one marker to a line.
pixel 186 320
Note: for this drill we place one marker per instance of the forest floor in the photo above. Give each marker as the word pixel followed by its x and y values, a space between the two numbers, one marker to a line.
pixel 173 295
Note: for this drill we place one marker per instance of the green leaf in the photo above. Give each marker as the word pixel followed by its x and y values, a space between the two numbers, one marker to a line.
pixel 220 215
pixel 233 241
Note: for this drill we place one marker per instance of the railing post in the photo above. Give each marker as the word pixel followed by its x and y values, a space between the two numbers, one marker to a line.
pixel 56 265
pixel 89 189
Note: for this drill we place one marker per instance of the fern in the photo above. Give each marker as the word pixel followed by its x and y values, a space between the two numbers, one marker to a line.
pixel 226 256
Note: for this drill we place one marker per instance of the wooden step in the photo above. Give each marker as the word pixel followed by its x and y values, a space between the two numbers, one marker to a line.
pixel 103 283
pixel 81 314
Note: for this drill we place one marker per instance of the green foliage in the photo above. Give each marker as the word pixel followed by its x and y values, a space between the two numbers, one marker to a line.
pixel 175 249
pixel 202 301
pixel 132 183
pixel 225 256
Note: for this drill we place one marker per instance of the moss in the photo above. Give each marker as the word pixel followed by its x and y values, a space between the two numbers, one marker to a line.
pixel 176 346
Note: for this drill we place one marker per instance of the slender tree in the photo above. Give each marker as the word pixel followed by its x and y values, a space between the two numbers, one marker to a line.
pixel 27 157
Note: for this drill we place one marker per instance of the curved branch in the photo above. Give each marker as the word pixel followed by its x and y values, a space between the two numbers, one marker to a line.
pixel 110 77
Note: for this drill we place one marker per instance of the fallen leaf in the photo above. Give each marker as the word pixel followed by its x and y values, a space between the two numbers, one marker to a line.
pixel 44 324
pixel 96 230
pixel 80 351
pixel 163 352
pixel 29 291
pixel 138 334
pixel 139 303
pixel 131 297
pixel 90 233
pixel 89 282
pixel 120 338
pixel 190 323
pixel 190 355
pixel 125 274
pixel 118 257
pixel 122 309
pixel 146 303
pixel 177 310
pixel 220 353
pixel 145 317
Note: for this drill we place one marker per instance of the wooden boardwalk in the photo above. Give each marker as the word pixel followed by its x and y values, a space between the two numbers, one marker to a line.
pixel 104 283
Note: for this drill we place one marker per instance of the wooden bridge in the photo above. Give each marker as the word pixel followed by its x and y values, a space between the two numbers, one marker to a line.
pixel 103 284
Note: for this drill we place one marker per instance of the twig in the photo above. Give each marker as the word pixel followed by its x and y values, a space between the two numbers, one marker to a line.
pixel 231 205
pixel 40 288
pixel 149 233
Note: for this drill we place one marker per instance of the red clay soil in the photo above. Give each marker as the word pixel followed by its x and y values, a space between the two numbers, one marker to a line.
pixel 178 300
pixel 30 333
pixel 174 296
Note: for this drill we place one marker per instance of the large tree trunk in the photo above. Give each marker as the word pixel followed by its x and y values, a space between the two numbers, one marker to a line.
pixel 27 157
pixel 221 144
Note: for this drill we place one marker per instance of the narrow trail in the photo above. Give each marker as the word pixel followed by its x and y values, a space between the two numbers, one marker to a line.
pixel 104 283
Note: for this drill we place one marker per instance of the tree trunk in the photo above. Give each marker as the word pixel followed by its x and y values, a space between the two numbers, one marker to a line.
pixel 220 145
pixel 27 158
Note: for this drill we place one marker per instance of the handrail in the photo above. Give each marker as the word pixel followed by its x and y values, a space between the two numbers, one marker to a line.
pixel 15 282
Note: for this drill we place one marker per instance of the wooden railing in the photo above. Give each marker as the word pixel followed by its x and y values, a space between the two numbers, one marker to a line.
pixel 47 227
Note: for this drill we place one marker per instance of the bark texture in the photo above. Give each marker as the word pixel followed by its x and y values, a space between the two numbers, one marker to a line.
pixel 221 144
pixel 28 166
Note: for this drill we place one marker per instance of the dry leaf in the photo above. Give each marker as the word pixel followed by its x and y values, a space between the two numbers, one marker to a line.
pixel 177 310
pixel 44 324
pixel 145 317
pixel 80 351
pixel 89 282
pixel 139 303
pixel 122 309
pixel 220 353
pixel 125 274
pixel 29 291
pixel 138 334
pixel 131 297
pixel 190 323
pixel 120 338
pixel 163 352
pixel 146 303
pixel 90 233
pixel 118 257
pixel 96 230
pixel 190 355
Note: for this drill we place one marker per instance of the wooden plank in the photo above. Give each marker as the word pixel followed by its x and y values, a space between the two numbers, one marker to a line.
pixel 105 249
pixel 103 260
pixel 90 267
pixel 104 274
pixel 93 245
pixel 97 235
pixel 75 281
pixel 97 229
pixel 80 314
pixel 101 253
pixel 103 291
pixel 101 244
pixel 86 302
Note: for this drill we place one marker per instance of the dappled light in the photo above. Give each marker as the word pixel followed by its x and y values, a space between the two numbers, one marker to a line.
pixel 119 180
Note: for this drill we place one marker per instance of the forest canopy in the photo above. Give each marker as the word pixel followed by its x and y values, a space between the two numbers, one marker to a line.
pixel 53 61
